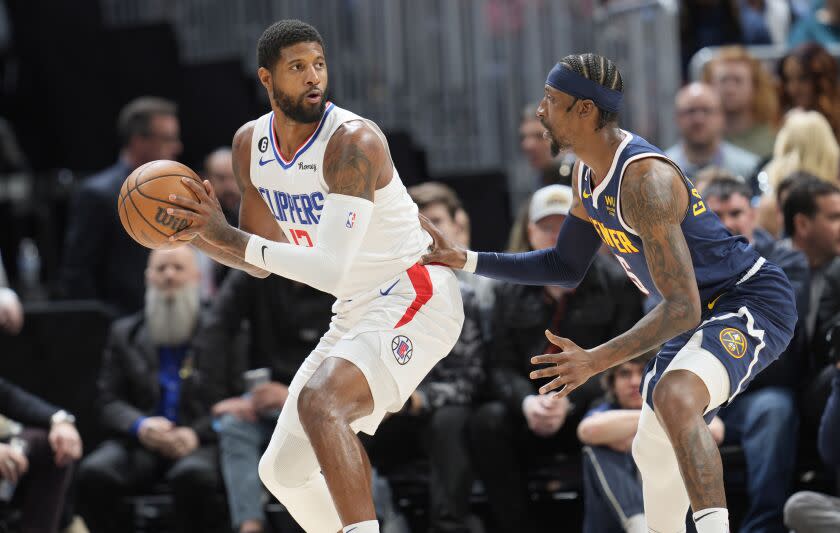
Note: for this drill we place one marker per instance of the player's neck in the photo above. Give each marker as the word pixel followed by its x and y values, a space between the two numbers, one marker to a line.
pixel 598 151
pixel 290 135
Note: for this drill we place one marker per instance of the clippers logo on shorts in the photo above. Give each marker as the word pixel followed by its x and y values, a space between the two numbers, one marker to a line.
pixel 351 219
pixel 402 348
pixel 734 342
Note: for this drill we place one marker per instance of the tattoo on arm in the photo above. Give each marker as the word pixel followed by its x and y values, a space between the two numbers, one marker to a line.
pixel 230 259
pixel 353 161
pixel 654 201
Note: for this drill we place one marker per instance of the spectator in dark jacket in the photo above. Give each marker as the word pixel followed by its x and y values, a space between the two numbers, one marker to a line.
pixel 764 419
pixel 44 470
pixel 520 424
pixel 812 512
pixel 100 260
pixel 150 404
pixel 433 423
pixel 282 321
pixel 812 220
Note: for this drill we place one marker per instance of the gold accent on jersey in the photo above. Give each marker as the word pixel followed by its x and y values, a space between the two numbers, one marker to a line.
pixel 697 207
pixel 615 239
pixel 734 342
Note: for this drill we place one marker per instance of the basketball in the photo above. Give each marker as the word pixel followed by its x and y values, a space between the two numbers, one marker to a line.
pixel 144 198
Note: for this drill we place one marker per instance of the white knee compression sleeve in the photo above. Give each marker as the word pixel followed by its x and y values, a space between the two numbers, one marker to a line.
pixel 665 497
pixel 289 469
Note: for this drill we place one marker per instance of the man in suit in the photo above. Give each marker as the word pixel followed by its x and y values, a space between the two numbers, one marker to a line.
pixel 150 403
pixel 43 471
pixel 100 260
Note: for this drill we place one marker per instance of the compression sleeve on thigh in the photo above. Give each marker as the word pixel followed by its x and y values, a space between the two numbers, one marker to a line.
pixel 344 222
pixel 564 265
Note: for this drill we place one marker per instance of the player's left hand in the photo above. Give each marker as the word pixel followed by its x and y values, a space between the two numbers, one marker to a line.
pixel 205 215
pixel 572 367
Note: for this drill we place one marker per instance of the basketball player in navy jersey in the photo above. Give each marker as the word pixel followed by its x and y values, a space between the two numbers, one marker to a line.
pixel 723 312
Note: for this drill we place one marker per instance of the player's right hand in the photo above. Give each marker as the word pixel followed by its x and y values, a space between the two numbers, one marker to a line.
pixel 443 250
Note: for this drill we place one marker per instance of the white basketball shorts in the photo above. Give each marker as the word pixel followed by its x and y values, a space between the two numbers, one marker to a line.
pixel 394 334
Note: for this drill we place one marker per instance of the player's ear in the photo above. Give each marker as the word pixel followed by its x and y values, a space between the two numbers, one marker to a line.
pixel 586 108
pixel 265 78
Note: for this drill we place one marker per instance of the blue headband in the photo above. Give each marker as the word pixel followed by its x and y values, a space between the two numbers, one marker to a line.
pixel 566 80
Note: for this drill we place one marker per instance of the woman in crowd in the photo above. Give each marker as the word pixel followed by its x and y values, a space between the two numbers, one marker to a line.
pixel 805 143
pixel 808 76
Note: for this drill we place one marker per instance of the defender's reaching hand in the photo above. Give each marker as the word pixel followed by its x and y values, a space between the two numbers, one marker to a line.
pixel 443 251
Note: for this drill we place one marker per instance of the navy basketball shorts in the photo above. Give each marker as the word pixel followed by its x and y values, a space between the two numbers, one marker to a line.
pixel 746 328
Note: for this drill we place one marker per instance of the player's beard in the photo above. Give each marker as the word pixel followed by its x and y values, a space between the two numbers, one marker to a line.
pixel 556 146
pixel 299 110
pixel 171 316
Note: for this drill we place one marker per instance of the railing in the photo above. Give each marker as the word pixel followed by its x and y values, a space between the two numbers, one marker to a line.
pixel 642 37
pixel 454 74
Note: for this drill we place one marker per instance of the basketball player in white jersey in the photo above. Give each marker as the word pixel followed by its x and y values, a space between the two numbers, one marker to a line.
pixel 323 204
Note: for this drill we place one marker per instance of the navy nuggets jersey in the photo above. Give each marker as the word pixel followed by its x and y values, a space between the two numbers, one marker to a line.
pixel 719 258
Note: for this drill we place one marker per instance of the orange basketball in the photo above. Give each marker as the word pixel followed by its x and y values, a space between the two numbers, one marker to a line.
pixel 144 198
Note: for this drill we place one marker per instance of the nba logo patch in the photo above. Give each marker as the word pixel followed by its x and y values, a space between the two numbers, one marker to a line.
pixel 351 219
pixel 734 342
pixel 402 348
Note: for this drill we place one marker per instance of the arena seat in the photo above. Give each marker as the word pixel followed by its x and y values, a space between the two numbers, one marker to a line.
pixel 57 356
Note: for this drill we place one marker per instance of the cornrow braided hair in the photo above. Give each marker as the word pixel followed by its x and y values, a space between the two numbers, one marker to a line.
pixel 600 70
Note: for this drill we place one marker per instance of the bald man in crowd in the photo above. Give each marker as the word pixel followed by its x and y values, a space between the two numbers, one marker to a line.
pixel 700 119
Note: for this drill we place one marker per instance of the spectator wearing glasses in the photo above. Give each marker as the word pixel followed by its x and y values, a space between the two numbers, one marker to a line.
pixel 700 120
pixel 100 260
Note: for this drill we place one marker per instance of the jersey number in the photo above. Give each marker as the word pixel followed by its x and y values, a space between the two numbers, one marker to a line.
pixel 635 279
pixel 298 235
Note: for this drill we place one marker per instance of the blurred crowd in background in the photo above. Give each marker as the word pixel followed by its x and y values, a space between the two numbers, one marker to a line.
pixel 138 389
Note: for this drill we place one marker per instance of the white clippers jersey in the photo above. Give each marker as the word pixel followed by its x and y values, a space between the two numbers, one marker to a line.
pixel 295 191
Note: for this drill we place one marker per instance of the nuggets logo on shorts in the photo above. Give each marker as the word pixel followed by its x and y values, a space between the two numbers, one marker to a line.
pixel 402 348
pixel 734 342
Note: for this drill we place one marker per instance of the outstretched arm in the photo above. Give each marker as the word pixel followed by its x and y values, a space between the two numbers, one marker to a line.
pixel 563 265
pixel 354 160
pixel 654 201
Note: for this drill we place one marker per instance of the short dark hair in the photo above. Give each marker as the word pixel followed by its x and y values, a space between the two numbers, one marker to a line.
pixel 603 72
pixel 433 192
pixel 136 116
pixel 789 181
pixel 281 34
pixel 802 199
pixel 724 187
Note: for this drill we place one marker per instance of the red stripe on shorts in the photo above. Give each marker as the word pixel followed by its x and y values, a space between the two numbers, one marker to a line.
pixel 422 283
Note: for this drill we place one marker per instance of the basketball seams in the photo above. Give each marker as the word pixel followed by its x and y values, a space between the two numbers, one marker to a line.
pixel 134 182
pixel 153 226
pixel 130 228
pixel 161 200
